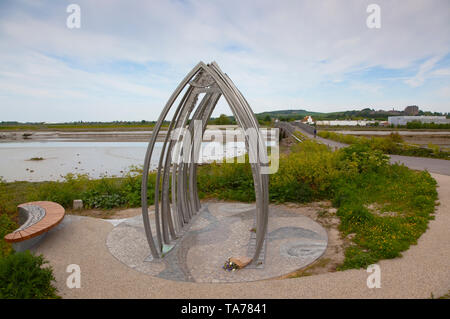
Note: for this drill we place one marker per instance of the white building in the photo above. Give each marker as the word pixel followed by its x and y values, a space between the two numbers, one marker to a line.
pixel 308 120
pixel 345 123
pixel 403 120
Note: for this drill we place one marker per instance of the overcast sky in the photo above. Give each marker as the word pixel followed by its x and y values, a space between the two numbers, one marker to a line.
pixel 128 56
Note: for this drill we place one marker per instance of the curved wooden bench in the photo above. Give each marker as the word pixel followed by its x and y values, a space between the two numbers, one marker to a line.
pixel 36 219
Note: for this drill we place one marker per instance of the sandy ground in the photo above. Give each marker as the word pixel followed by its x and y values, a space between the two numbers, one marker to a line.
pixel 115 135
pixel 422 272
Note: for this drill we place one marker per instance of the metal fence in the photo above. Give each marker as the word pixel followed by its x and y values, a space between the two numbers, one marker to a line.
pixel 307 128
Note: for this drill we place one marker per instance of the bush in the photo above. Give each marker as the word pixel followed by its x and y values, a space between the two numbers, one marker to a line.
pixel 6 226
pixel 104 193
pixel 61 192
pixel 95 199
pixel 304 175
pixel 226 181
pixel 23 277
pixel 395 137
pixel 361 157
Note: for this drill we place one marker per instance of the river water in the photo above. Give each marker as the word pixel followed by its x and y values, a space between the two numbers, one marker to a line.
pixel 93 158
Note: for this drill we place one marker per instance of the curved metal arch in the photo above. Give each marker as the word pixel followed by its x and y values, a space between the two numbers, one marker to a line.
pixel 178 156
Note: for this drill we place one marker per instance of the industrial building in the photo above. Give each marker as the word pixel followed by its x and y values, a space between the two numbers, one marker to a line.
pixel 345 123
pixel 403 120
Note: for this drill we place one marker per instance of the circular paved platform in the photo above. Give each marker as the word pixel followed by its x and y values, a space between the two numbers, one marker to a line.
pixel 220 231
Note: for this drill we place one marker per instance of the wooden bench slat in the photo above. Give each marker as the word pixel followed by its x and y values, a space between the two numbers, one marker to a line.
pixel 13 236
pixel 54 214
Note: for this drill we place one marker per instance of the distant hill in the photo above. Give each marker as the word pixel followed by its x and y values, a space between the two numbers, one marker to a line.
pixel 354 114
pixel 287 115
pixel 367 113
pixel 282 113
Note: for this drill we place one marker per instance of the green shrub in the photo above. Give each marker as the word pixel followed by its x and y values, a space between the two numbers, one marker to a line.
pixel 231 181
pixel 305 174
pixel 434 148
pixel 131 190
pixel 361 157
pixel 61 192
pixel 95 199
pixel 22 276
pixel 6 226
pixel 104 193
pixel 395 137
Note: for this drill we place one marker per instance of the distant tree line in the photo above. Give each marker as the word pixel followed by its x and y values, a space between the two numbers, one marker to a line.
pixel 419 125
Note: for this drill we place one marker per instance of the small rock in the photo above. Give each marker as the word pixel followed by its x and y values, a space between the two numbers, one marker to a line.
pixel 77 204
pixel 241 261
pixel 332 210
pixel 351 236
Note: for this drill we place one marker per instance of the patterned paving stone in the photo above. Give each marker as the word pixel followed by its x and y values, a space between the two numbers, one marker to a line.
pixel 220 231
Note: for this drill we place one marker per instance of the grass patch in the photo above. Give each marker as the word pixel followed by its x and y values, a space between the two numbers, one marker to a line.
pixel 391 144
pixel 308 271
pixel 6 226
pixel 446 296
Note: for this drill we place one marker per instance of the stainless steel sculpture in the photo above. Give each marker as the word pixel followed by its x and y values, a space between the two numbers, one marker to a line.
pixel 180 174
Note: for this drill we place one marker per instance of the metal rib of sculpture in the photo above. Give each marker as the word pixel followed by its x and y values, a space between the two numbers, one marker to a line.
pixel 172 215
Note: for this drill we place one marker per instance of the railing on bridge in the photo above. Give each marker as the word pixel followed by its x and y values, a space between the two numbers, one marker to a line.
pixel 287 129
pixel 307 128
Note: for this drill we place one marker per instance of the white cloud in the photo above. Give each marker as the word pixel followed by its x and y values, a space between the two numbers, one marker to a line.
pixel 367 88
pixel 441 72
pixel 424 71
pixel 274 52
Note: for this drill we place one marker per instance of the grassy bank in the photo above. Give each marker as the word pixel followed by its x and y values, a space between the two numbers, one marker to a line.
pixel 384 208
pixel 391 144
pixel 436 128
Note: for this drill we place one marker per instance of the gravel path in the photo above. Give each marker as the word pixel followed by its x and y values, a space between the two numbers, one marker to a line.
pixel 432 165
pixel 422 271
